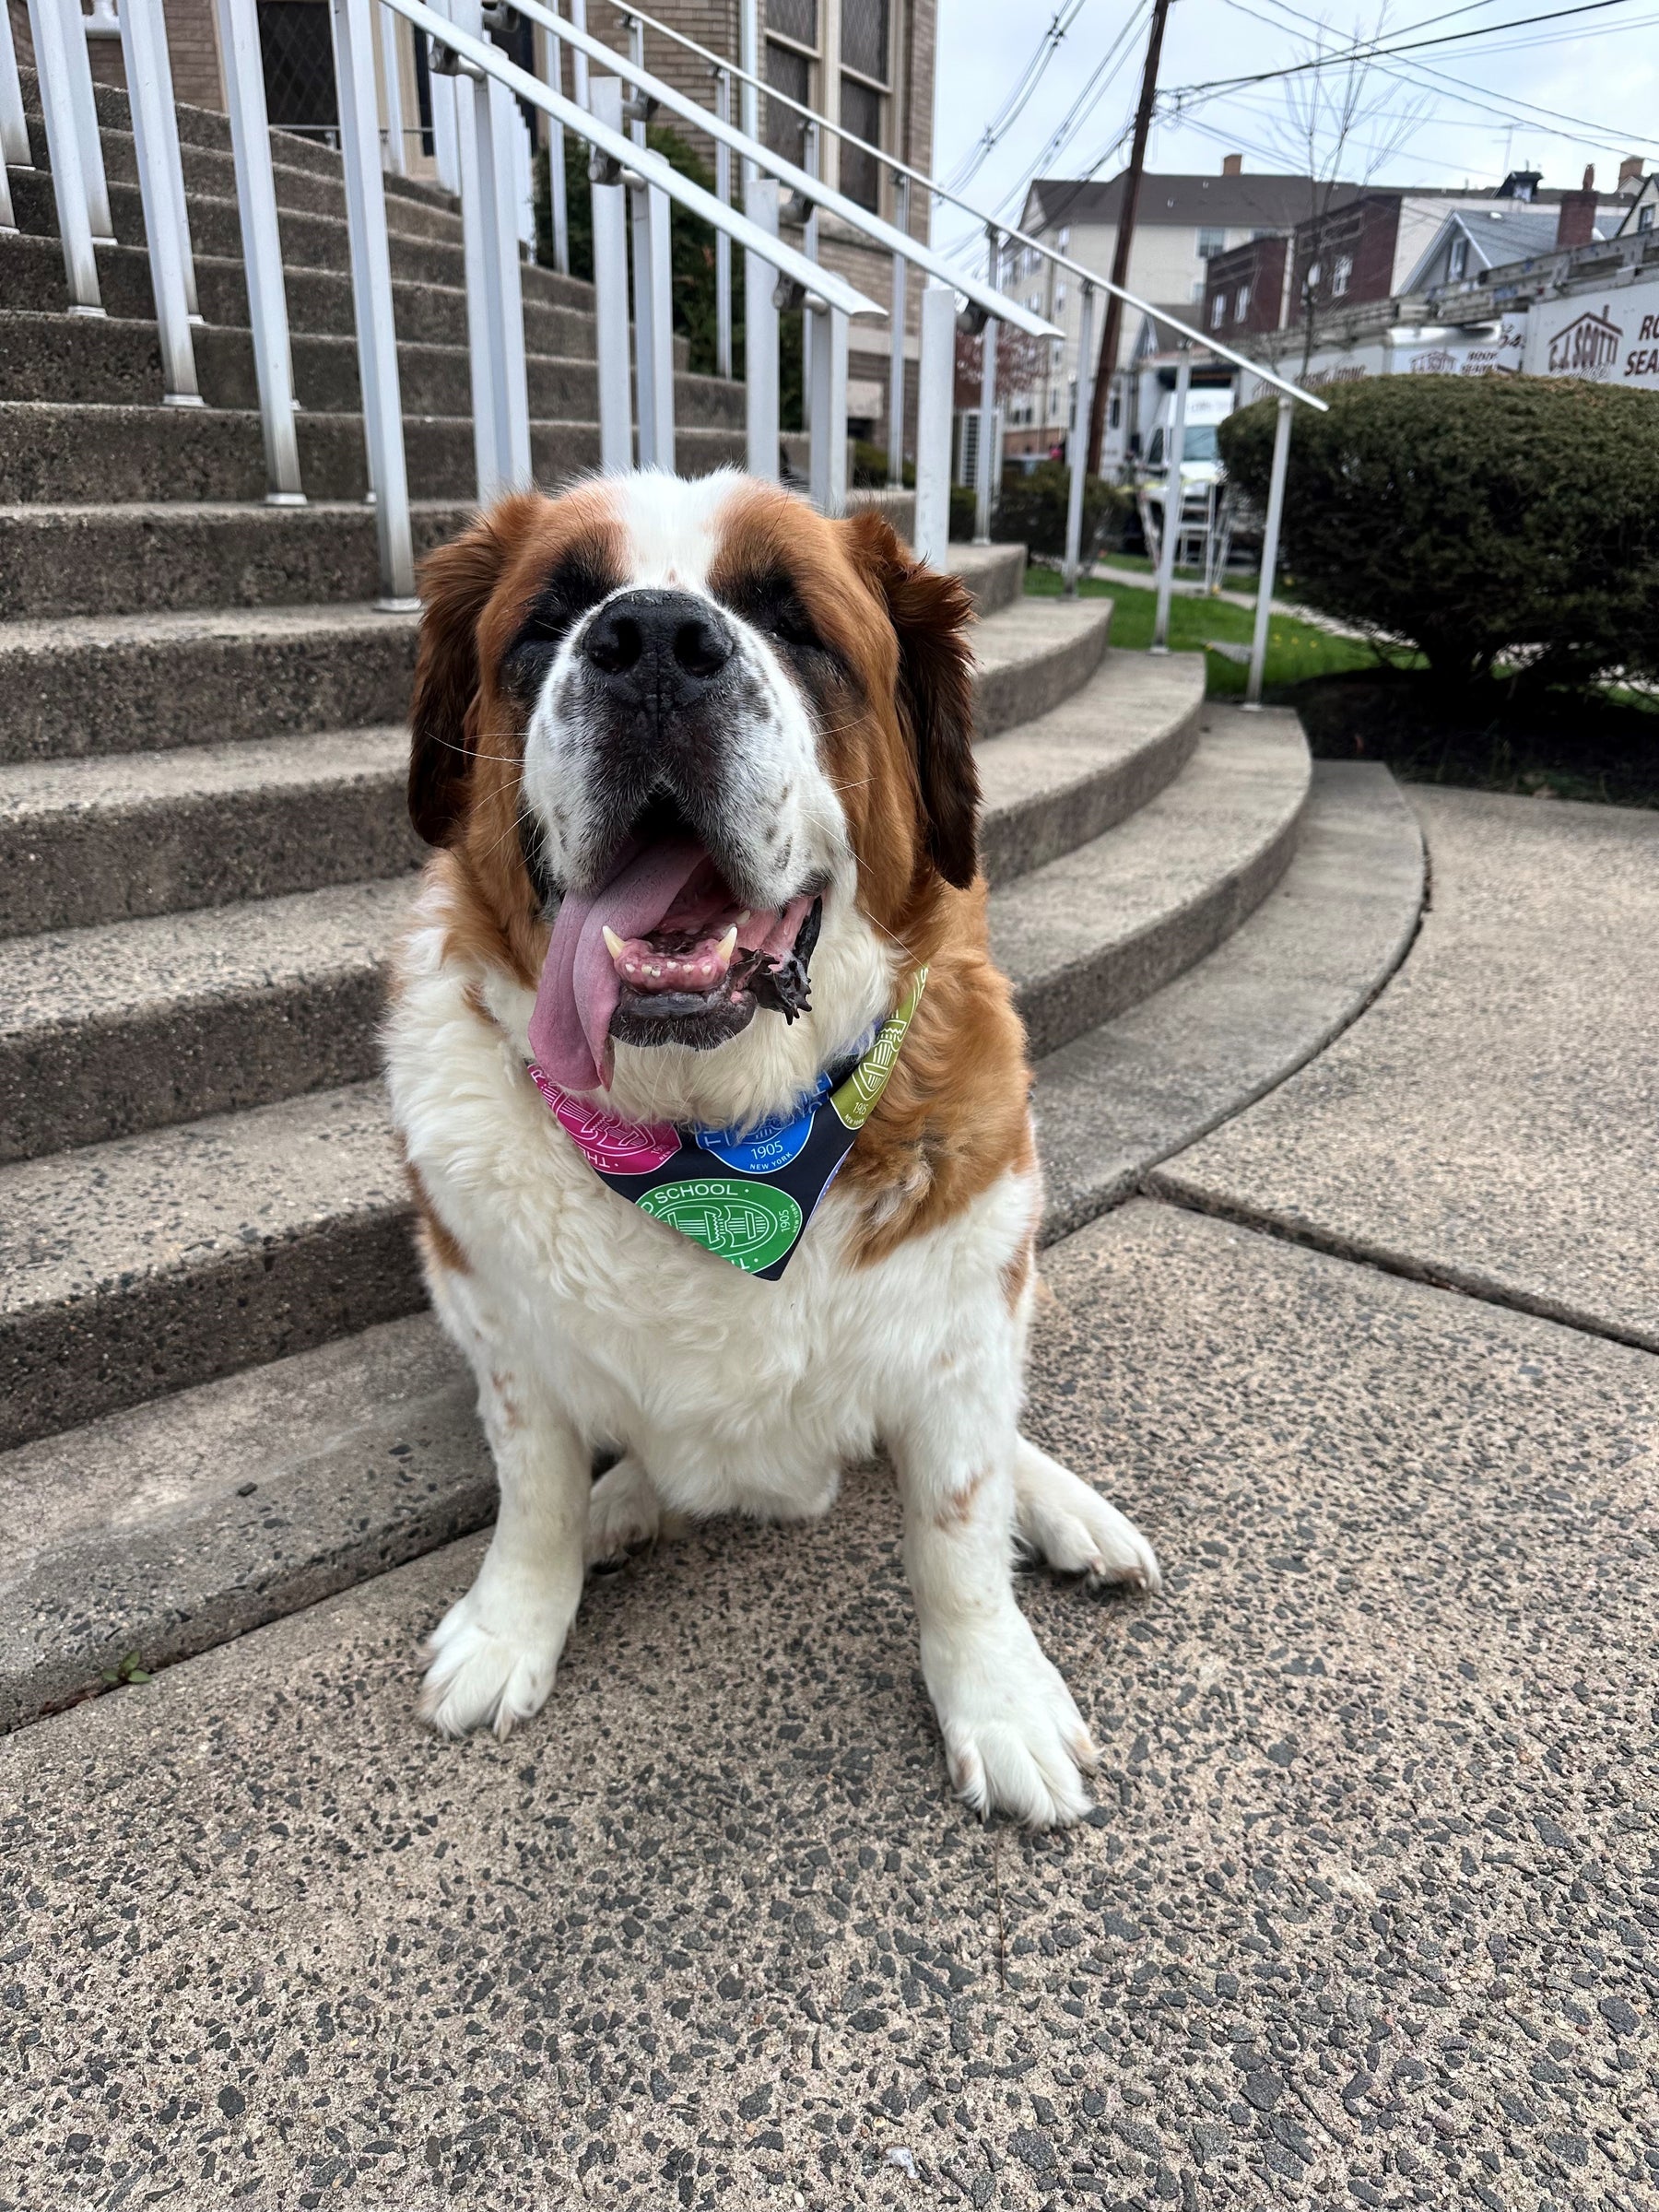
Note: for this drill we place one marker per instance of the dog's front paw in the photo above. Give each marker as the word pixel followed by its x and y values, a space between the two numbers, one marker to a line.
pixel 1013 1741
pixel 624 1512
pixel 1067 1523
pixel 493 1660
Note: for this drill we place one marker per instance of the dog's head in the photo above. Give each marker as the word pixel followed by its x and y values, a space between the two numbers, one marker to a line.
pixel 705 762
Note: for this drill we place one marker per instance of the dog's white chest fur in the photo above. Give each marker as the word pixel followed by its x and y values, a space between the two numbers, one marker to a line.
pixel 736 1393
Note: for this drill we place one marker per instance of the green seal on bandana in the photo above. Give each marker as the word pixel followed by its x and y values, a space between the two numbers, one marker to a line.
pixel 752 1224
pixel 776 1170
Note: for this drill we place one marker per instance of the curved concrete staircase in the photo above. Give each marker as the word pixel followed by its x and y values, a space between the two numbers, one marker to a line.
pixel 219 1395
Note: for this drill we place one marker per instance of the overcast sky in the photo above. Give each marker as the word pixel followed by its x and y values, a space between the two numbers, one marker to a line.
pixel 1598 73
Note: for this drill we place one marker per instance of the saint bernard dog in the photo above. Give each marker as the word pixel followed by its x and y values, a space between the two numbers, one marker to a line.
pixel 697 764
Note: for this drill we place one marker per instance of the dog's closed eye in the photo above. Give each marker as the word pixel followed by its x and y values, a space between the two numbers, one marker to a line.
pixel 575 586
pixel 772 604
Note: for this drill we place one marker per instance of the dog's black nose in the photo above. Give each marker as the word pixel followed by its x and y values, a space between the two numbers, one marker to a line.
pixel 663 648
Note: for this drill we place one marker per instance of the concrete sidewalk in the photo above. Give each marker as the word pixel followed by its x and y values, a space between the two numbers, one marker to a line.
pixel 1366 1911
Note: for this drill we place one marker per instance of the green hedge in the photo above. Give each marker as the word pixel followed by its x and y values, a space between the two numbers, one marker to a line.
pixel 1482 519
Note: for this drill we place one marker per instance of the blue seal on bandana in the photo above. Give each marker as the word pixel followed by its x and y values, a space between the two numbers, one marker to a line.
pixel 772 1144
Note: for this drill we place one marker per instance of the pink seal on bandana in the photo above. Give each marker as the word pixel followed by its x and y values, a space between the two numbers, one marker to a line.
pixel 609 1143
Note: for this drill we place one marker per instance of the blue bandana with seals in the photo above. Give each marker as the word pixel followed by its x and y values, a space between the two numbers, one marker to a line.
pixel 744 1195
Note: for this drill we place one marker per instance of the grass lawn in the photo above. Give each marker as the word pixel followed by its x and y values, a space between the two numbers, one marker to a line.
pixel 1235 580
pixel 1297 652
pixel 1597 744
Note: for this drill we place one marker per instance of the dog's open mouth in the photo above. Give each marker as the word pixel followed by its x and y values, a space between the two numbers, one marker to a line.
pixel 664 953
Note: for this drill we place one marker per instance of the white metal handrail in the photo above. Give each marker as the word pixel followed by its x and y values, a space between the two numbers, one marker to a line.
pixel 1002 235
pixel 812 190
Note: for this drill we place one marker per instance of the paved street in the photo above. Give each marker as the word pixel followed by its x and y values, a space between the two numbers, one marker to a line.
pixel 1366 1914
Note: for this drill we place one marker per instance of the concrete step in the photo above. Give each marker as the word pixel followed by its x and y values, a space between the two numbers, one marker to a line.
pixel 210 186
pixel 52 454
pixel 118 362
pixel 1067 776
pixel 1112 920
pixel 121 835
pixel 1032 654
pixel 1125 1096
pixel 137 1025
pixel 132 1269
pixel 425 243
pixel 319 303
pixel 175 1525
pixel 168 556
pixel 141 682
pixel 209 127
pixel 113 683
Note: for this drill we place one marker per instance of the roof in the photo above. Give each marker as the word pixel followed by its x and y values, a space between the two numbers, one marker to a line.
pixel 1259 203
pixel 1513 231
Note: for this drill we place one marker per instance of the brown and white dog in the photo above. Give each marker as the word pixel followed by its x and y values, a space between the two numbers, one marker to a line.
pixel 709 688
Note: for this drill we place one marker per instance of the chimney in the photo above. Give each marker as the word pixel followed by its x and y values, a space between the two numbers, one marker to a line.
pixel 1575 224
pixel 1629 171
pixel 1232 165
pixel 1589 183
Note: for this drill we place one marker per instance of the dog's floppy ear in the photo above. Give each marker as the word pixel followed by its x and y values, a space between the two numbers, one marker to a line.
pixel 930 612
pixel 455 584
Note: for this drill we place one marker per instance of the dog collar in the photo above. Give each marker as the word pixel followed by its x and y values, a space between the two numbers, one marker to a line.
pixel 756 1213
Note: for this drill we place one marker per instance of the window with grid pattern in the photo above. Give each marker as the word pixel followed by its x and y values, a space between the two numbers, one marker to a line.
pixel 791 74
pixel 296 44
pixel 795 19
pixel 864 38
pixel 860 114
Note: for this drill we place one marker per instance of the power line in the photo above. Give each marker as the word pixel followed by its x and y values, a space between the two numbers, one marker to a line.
pixel 1016 101
pixel 1375 52
pixel 1503 106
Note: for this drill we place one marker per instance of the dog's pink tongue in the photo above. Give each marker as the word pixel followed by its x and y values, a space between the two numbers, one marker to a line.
pixel 570 1029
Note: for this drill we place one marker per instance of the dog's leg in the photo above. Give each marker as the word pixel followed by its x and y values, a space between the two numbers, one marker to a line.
pixel 623 1512
pixel 1014 1740
pixel 1071 1526
pixel 495 1652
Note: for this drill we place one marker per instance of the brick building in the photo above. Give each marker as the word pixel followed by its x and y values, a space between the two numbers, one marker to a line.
pixel 867 65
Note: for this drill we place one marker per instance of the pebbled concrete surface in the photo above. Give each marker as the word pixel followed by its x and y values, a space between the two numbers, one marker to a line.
pixel 1365 1914
pixel 1491 1123
pixel 1320 945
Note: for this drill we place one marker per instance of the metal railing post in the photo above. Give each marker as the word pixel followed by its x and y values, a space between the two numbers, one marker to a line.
pixel 936 395
pixel 984 463
pixel 809 162
pixel 371 293
pixel 558 201
pixel 1174 500
pixel 653 296
pixel 49 29
pixel 162 196
pixel 176 159
pixel 1077 453
pixel 723 244
pixel 826 335
pixel 84 102
pixel 748 61
pixel 243 69
pixel 579 61
pixel 895 475
pixel 14 149
pixel 1270 543
pixel 395 154
pixel 760 332
pixel 498 124
pixel 446 151
pixel 610 284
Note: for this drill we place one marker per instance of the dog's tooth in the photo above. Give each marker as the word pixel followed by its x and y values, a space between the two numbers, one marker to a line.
pixel 743 918
pixel 613 944
pixel 726 947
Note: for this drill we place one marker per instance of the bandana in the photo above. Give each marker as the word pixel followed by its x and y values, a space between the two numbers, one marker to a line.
pixel 744 1195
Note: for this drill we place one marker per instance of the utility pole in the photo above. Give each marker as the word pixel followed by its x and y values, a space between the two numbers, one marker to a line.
pixel 1126 237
